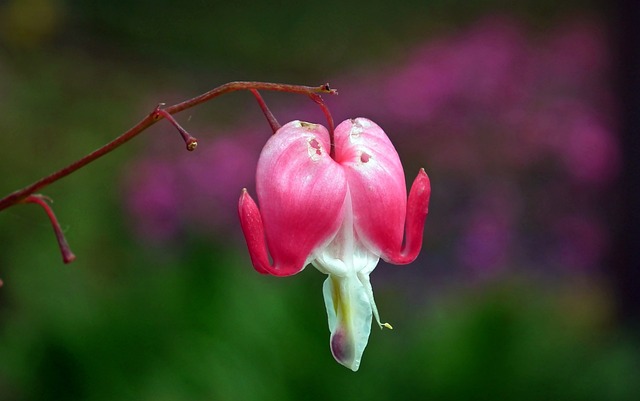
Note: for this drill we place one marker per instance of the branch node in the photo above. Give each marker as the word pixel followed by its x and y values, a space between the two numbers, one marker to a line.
pixel 327 89
pixel 156 112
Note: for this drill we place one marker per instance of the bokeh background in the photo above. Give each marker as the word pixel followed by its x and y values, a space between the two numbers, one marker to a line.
pixel 526 288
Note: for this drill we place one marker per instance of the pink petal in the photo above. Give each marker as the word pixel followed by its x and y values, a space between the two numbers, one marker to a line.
pixel 253 230
pixel 376 181
pixel 301 191
pixel 417 210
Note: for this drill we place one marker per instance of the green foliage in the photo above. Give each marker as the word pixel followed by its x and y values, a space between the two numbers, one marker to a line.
pixel 205 326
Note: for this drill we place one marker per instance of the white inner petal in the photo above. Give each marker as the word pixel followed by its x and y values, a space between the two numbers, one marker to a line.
pixel 349 315
pixel 345 253
pixel 347 291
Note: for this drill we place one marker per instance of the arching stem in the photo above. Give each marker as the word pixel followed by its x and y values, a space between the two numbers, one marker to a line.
pixel 17 196
pixel 26 194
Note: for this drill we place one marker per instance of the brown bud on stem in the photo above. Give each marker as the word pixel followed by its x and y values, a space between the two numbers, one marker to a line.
pixel 191 142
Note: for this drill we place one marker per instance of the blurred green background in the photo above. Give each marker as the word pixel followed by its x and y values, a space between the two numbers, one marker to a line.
pixel 183 316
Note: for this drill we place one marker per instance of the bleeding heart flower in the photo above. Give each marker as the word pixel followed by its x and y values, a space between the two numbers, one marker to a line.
pixel 340 214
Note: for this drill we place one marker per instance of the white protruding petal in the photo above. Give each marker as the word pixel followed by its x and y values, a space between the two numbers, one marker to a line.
pixel 328 264
pixel 337 257
pixel 347 292
pixel 349 313
pixel 366 284
pixel 367 261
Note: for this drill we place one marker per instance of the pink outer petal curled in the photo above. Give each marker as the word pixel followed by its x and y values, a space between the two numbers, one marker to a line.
pixel 377 185
pixel 253 230
pixel 417 210
pixel 302 193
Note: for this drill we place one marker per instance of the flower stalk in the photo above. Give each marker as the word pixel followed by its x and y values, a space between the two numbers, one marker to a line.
pixel 65 250
pixel 26 194
pixel 318 100
pixel 190 141
pixel 271 119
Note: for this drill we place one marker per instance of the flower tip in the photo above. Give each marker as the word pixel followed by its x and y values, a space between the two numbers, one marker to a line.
pixel 68 257
pixel 192 144
pixel 423 174
pixel 343 351
pixel 386 326
pixel 422 185
pixel 246 205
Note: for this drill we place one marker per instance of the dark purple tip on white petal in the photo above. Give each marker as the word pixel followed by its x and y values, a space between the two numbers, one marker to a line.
pixel 342 348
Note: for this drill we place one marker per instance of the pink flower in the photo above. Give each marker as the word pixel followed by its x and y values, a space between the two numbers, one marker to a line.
pixel 340 214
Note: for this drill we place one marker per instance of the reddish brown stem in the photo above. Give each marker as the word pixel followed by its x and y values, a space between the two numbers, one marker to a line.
pixel 316 98
pixel 21 194
pixel 67 255
pixel 271 119
pixel 248 85
pixel 191 142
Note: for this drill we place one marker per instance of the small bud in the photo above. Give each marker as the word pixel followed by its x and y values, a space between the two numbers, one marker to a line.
pixel 191 142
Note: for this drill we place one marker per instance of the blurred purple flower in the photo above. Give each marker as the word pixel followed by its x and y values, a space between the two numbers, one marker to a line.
pixel 579 242
pixel 199 190
pixel 591 154
pixel 154 200
pixel 472 71
pixel 488 229
pixel 494 103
